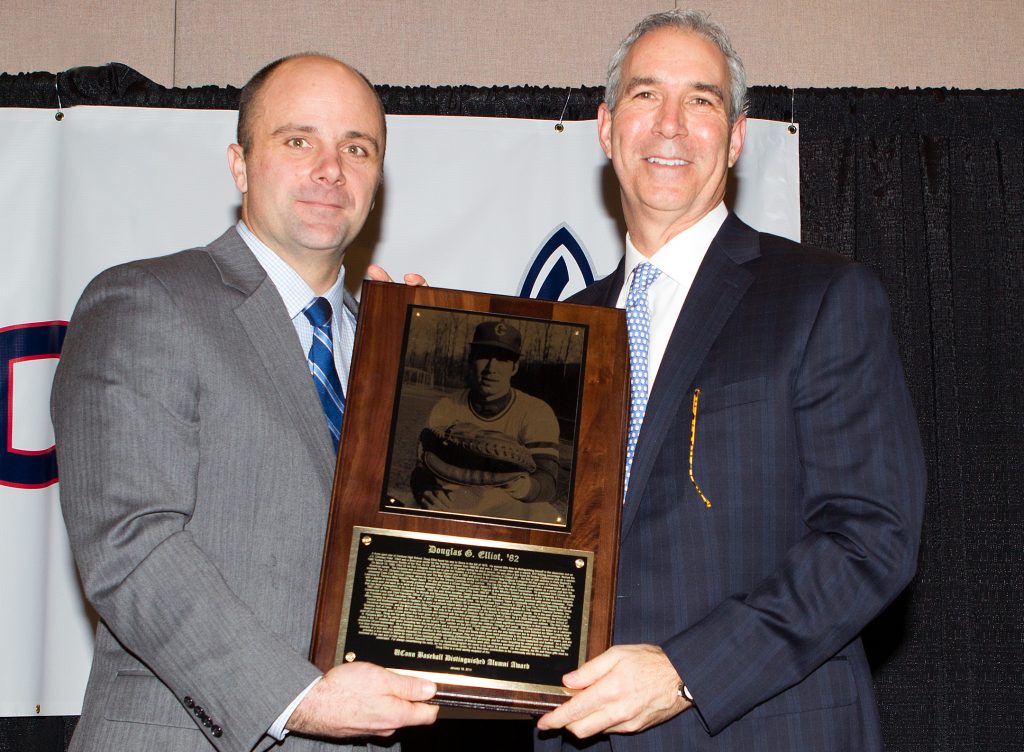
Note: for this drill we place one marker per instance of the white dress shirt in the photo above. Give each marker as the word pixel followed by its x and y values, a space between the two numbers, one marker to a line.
pixel 296 295
pixel 678 261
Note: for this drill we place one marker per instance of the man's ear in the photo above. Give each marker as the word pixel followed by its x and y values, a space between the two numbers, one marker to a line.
pixel 604 128
pixel 236 163
pixel 736 139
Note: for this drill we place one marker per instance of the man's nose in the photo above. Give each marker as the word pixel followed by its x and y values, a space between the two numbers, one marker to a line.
pixel 671 120
pixel 328 168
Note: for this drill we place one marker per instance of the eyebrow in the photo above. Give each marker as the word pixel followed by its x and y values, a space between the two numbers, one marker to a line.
pixel 640 81
pixel 709 89
pixel 314 131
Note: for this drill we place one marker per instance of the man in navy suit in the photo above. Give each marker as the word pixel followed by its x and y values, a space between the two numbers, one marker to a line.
pixel 775 494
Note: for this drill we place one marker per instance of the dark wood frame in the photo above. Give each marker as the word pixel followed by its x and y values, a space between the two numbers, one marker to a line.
pixel 361 472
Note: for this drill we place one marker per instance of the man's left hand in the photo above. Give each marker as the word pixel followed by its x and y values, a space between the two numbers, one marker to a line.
pixel 378 274
pixel 626 689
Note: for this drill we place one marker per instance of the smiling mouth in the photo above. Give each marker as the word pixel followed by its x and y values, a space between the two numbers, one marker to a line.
pixel 667 162
pixel 320 204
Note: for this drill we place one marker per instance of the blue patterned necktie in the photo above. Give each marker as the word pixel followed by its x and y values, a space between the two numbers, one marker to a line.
pixel 321 365
pixel 638 327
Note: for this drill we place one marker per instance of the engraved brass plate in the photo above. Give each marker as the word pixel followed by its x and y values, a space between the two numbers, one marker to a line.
pixel 480 613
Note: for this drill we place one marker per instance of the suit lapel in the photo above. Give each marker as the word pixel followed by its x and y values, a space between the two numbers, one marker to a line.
pixel 719 285
pixel 272 335
pixel 350 303
pixel 604 292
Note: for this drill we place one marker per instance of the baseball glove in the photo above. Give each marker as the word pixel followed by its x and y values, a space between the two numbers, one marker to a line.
pixel 468 454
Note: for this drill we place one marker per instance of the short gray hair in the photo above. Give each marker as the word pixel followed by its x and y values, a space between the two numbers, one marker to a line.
pixel 687 20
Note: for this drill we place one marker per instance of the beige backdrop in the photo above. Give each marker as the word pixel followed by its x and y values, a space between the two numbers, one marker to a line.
pixel 800 43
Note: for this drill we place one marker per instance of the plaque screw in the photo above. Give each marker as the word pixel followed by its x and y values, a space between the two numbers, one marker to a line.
pixel 366 540
pixel 349 657
pixel 580 563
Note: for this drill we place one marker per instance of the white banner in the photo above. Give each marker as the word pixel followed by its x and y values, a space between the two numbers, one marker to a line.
pixel 494 205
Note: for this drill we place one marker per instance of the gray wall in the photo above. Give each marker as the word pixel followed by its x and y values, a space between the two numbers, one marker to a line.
pixel 799 43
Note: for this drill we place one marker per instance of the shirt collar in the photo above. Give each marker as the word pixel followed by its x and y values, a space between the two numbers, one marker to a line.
pixel 680 256
pixel 294 290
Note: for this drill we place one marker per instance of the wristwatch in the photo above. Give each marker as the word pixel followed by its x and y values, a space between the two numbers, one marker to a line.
pixel 684 692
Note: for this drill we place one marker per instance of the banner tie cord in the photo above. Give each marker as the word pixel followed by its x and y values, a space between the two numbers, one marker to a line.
pixel 559 126
pixel 792 112
pixel 59 116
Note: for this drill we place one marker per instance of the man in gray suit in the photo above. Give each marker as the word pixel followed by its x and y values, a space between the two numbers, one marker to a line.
pixel 196 461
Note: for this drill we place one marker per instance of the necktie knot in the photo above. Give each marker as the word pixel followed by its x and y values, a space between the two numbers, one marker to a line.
pixel 643 277
pixel 319 313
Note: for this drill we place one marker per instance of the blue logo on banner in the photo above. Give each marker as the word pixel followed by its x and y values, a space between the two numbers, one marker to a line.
pixel 18 467
pixel 560 268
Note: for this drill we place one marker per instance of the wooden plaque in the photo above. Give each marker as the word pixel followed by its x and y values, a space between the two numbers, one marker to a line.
pixel 473 531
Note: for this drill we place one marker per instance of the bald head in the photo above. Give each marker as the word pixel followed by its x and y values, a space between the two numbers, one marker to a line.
pixel 249 99
pixel 309 160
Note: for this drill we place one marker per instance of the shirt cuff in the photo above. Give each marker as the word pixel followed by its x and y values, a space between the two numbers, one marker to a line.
pixel 277 730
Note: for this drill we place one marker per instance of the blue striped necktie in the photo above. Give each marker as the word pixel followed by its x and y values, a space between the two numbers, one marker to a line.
pixel 321 365
pixel 638 329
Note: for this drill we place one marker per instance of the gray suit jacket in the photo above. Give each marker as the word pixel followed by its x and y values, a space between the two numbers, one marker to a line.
pixel 195 469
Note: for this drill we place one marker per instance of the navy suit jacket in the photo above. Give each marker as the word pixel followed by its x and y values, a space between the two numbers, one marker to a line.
pixel 807 448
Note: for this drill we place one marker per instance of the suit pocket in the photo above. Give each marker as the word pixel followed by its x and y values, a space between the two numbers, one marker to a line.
pixel 727 447
pixel 142 698
pixel 733 395
pixel 831 686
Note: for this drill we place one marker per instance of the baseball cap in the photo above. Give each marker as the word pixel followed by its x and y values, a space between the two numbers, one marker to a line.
pixel 497 334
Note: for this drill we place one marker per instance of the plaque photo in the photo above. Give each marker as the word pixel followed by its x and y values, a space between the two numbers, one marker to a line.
pixel 485 421
pixel 474 521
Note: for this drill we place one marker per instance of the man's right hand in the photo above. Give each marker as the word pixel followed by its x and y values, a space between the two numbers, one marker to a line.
pixel 362 699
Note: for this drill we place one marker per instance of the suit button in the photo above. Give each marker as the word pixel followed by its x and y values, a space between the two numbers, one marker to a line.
pixel 189 703
pixel 207 722
pixel 216 731
pixel 198 711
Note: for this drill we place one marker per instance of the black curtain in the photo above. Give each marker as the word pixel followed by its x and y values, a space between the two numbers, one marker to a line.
pixel 926 187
